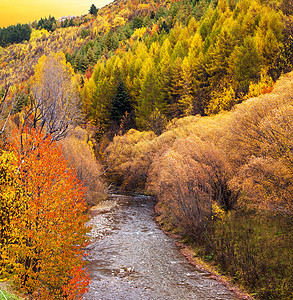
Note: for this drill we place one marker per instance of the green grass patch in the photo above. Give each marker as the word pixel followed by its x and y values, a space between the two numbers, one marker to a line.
pixel 255 250
pixel 7 296
pixel 6 292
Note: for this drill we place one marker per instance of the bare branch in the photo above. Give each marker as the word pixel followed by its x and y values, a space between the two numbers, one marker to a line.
pixel 6 106
pixel 55 102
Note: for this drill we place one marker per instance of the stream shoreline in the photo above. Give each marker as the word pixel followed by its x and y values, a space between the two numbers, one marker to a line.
pixel 186 250
pixel 189 253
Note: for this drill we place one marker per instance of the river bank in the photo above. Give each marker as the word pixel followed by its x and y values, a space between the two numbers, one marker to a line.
pixel 230 236
pixel 126 237
pixel 8 292
pixel 191 253
pixel 188 251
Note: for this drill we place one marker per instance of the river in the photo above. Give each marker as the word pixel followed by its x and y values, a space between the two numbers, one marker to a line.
pixel 131 258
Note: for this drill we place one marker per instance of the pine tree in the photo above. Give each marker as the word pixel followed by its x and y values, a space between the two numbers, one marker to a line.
pixel 218 58
pixel 247 64
pixel 186 99
pixel 121 103
pixel 93 10
pixel 91 56
pixel 176 89
pixel 151 101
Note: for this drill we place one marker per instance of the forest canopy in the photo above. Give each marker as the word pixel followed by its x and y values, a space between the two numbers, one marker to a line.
pixel 14 34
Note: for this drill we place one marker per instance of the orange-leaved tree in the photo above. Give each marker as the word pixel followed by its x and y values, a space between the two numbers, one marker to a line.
pixel 46 235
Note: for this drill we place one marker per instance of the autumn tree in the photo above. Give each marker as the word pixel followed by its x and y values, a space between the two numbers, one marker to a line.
pixel 77 149
pixel 55 101
pixel 222 98
pixel 43 218
pixel 186 100
pixel 7 103
pixel 175 88
pixel 151 105
pixel 129 158
pixel 9 201
pixel 188 178
pixel 261 131
pixel 287 7
pixel 284 59
pixel 218 61
pixel 165 67
pixel 103 86
pixel 247 64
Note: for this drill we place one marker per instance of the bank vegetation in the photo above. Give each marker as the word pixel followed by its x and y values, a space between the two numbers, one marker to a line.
pixel 224 182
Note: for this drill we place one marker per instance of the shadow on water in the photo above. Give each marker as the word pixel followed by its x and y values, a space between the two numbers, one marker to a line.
pixel 131 258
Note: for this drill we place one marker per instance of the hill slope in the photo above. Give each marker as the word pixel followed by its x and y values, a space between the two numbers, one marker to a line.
pixel 225 184
pixel 173 58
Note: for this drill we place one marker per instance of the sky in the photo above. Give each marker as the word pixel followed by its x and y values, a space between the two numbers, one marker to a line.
pixel 25 11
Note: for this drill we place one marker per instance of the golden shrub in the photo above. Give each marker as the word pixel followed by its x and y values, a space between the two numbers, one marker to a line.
pixel 188 178
pixel 77 149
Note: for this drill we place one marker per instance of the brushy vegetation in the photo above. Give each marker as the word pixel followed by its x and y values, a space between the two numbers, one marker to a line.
pixel 255 249
pixel 225 181
pixel 78 151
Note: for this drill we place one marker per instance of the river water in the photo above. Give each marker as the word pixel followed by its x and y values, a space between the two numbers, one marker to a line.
pixel 131 258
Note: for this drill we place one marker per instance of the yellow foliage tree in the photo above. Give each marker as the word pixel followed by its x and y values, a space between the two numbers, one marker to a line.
pixel 55 100
pixel 11 201
pixel 118 21
pixel 223 99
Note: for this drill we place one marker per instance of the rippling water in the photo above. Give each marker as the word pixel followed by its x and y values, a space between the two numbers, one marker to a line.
pixel 131 258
